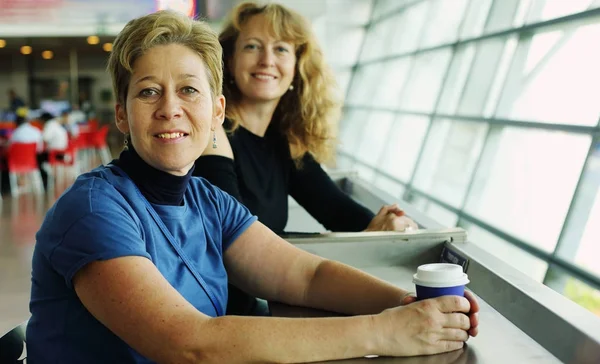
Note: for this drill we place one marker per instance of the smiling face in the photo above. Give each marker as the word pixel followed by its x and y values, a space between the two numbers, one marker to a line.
pixel 263 67
pixel 169 110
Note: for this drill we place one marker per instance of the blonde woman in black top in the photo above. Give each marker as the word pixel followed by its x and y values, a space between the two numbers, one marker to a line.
pixel 280 115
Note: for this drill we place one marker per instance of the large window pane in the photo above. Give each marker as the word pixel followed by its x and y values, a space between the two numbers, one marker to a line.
pixel 364 83
pixel 390 85
pixel 343 44
pixel 486 62
pixel 343 77
pixel 351 128
pixel 388 185
pixel 456 79
pixel 550 9
pixel 475 18
pixel 404 144
pixel 443 22
pixel 355 11
pixel 449 158
pixel 374 137
pixel 439 214
pixel 378 39
pixel 425 81
pixel 555 78
pixel 408 28
pixel 383 7
pixel 574 289
pixel 502 14
pixel 517 258
pixel 589 247
pixel 526 181
pixel 343 162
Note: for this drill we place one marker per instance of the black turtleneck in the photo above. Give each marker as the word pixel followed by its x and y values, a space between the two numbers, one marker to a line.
pixel 158 187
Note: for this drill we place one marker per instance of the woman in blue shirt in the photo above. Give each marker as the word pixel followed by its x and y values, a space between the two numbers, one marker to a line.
pixel 131 264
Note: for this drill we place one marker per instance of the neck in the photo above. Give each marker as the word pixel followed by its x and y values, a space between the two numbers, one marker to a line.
pixel 157 186
pixel 256 116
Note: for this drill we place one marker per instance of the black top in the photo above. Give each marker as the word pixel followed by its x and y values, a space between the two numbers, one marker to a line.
pixel 263 174
pixel 158 187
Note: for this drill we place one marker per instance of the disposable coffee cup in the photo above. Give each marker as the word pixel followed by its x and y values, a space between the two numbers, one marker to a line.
pixel 440 279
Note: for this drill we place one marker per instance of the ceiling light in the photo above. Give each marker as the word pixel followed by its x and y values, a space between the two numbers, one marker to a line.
pixel 26 50
pixel 93 39
pixel 47 54
pixel 107 47
pixel 2 43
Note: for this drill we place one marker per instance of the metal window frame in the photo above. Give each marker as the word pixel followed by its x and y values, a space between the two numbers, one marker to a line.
pixel 494 124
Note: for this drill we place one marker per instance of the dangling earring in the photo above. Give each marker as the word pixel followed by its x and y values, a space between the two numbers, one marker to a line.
pixel 126 143
pixel 291 87
pixel 214 139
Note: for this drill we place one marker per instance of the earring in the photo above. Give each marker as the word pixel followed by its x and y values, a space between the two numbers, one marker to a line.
pixel 126 143
pixel 214 139
pixel 291 87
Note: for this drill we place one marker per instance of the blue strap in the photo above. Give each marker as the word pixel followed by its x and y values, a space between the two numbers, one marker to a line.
pixel 174 244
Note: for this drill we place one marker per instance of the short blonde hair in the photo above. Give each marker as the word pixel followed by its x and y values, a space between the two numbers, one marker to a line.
pixel 162 28
pixel 308 114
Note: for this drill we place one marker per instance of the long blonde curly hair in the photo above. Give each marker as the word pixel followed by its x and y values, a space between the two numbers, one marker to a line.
pixel 308 114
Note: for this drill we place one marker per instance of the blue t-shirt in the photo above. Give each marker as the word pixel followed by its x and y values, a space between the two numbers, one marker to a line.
pixel 103 216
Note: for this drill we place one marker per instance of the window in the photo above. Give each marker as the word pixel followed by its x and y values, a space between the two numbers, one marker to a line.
pixel 389 89
pixel 449 159
pixel 450 105
pixel 425 80
pixel 443 22
pixel 364 84
pixel 403 146
pixel 528 264
pixel 475 18
pixel 351 128
pixel 482 73
pixel 526 182
pixel 542 10
pixel 373 137
pixel 555 78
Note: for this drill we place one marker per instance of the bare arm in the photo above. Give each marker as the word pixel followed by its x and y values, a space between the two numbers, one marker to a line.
pixel 131 298
pixel 303 278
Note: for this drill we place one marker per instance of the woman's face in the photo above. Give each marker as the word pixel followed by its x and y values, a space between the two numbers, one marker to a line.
pixel 262 67
pixel 169 109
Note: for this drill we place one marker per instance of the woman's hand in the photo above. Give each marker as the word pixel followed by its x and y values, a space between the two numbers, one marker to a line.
pixel 391 218
pixel 427 327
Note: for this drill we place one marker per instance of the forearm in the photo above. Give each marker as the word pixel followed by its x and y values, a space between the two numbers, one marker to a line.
pixel 341 288
pixel 234 339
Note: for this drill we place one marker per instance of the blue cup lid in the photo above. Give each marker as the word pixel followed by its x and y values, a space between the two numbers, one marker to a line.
pixel 438 275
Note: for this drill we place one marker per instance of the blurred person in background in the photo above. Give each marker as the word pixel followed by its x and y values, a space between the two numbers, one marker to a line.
pixel 55 138
pixel 281 112
pixel 69 120
pixel 14 100
pixel 25 132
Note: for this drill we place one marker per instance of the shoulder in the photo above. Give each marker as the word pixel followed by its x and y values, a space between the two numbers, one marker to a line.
pixel 91 193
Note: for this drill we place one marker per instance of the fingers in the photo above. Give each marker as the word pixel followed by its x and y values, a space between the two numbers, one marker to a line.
pixel 455 335
pixel 450 345
pixel 448 304
pixel 409 297
pixel 474 318
pixel 472 300
pixel 457 321
pixel 387 209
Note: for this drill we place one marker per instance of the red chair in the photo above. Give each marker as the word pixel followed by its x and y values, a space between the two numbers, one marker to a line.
pixel 98 141
pixel 21 158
